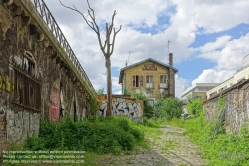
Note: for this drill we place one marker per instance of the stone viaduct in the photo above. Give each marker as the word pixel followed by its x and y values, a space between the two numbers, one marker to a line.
pixel 40 76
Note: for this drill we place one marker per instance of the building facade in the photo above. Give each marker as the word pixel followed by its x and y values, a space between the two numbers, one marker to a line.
pixel 150 77
pixel 241 74
pixel 198 91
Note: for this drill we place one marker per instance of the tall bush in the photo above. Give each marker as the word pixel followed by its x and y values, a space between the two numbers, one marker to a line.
pixel 168 108
pixel 148 109
pixel 101 135
pixel 195 107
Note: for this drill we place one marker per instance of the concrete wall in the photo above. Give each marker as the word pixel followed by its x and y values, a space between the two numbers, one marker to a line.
pixel 121 106
pixel 48 87
pixel 236 106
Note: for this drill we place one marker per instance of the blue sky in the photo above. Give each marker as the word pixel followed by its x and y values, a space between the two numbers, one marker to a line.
pixel 209 38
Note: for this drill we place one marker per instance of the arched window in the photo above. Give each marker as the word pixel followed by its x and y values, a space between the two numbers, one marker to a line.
pixel 27 89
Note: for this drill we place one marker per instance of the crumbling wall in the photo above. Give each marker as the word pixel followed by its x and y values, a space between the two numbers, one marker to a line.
pixel 236 106
pixel 29 58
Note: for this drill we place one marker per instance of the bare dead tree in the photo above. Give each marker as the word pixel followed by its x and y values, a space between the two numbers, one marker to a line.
pixel 107 47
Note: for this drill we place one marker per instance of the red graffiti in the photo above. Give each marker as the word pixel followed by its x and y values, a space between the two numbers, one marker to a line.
pixel 55 107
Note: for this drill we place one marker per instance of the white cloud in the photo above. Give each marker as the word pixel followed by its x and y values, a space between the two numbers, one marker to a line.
pixel 219 43
pixel 213 76
pixel 189 18
pixel 227 53
pixel 180 85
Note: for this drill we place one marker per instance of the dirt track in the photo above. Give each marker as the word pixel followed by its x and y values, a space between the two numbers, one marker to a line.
pixel 171 148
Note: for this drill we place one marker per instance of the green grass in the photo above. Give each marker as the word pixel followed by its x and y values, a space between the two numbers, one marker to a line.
pixel 220 149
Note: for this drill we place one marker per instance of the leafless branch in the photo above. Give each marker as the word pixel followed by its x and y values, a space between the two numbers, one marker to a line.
pixel 113 40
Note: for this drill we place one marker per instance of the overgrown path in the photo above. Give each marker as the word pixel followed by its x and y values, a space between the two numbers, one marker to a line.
pixel 169 146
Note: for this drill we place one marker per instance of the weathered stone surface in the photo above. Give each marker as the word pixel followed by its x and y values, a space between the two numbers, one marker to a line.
pixel 236 106
pixel 31 85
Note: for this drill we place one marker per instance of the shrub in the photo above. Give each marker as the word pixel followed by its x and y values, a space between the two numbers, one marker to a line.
pixel 195 107
pixel 148 109
pixel 101 135
pixel 168 108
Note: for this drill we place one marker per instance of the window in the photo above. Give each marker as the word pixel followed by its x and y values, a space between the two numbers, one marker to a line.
pixel 240 79
pixel 135 81
pixel 163 81
pixel 149 81
pixel 27 89
pixel 214 93
pixel 222 89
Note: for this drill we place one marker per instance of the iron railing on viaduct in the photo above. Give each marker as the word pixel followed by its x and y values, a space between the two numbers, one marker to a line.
pixel 49 20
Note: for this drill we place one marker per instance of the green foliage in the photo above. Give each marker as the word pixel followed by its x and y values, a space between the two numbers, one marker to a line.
pixel 168 108
pixel 223 149
pixel 140 96
pixel 93 104
pixel 195 107
pixel 221 102
pixel 100 91
pixel 126 92
pixel 148 109
pixel 101 135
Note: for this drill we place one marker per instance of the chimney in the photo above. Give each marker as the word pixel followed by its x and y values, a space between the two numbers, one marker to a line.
pixel 170 59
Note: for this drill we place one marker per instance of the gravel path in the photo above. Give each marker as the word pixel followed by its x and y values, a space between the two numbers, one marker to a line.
pixel 169 149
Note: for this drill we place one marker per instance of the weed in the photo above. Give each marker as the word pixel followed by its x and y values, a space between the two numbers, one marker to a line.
pixel 100 135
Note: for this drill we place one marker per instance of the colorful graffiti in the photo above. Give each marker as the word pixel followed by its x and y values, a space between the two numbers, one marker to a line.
pixel 121 107
pixel 55 107
pixel 5 83
pixel 55 102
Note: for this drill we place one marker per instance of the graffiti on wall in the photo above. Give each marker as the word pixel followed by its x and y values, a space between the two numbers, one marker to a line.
pixel 21 124
pixel 55 107
pixel 55 102
pixel 2 123
pixel 120 107
pixel 5 83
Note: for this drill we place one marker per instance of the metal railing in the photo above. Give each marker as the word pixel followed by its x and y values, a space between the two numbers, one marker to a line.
pixel 49 20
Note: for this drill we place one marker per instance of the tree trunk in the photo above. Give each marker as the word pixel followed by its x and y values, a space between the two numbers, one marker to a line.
pixel 109 87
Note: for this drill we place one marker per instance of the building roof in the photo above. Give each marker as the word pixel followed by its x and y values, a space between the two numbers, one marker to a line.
pixel 196 85
pixel 146 60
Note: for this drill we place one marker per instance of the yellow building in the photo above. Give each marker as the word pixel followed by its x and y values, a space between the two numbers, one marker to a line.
pixel 150 77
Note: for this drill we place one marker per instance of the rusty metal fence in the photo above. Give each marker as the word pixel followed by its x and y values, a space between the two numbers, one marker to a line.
pixel 47 17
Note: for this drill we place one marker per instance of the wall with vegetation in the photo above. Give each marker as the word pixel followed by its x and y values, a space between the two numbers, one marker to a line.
pixel 35 81
pixel 121 106
pixel 236 106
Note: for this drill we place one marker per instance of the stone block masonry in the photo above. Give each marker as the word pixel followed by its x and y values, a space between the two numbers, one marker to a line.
pixel 39 78
pixel 236 106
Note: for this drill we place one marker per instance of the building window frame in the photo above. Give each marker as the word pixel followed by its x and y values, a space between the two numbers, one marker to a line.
pixel 135 81
pixel 149 81
pixel 163 81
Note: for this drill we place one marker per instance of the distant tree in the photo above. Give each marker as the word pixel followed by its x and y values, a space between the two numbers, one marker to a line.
pixel 100 91
pixel 107 47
